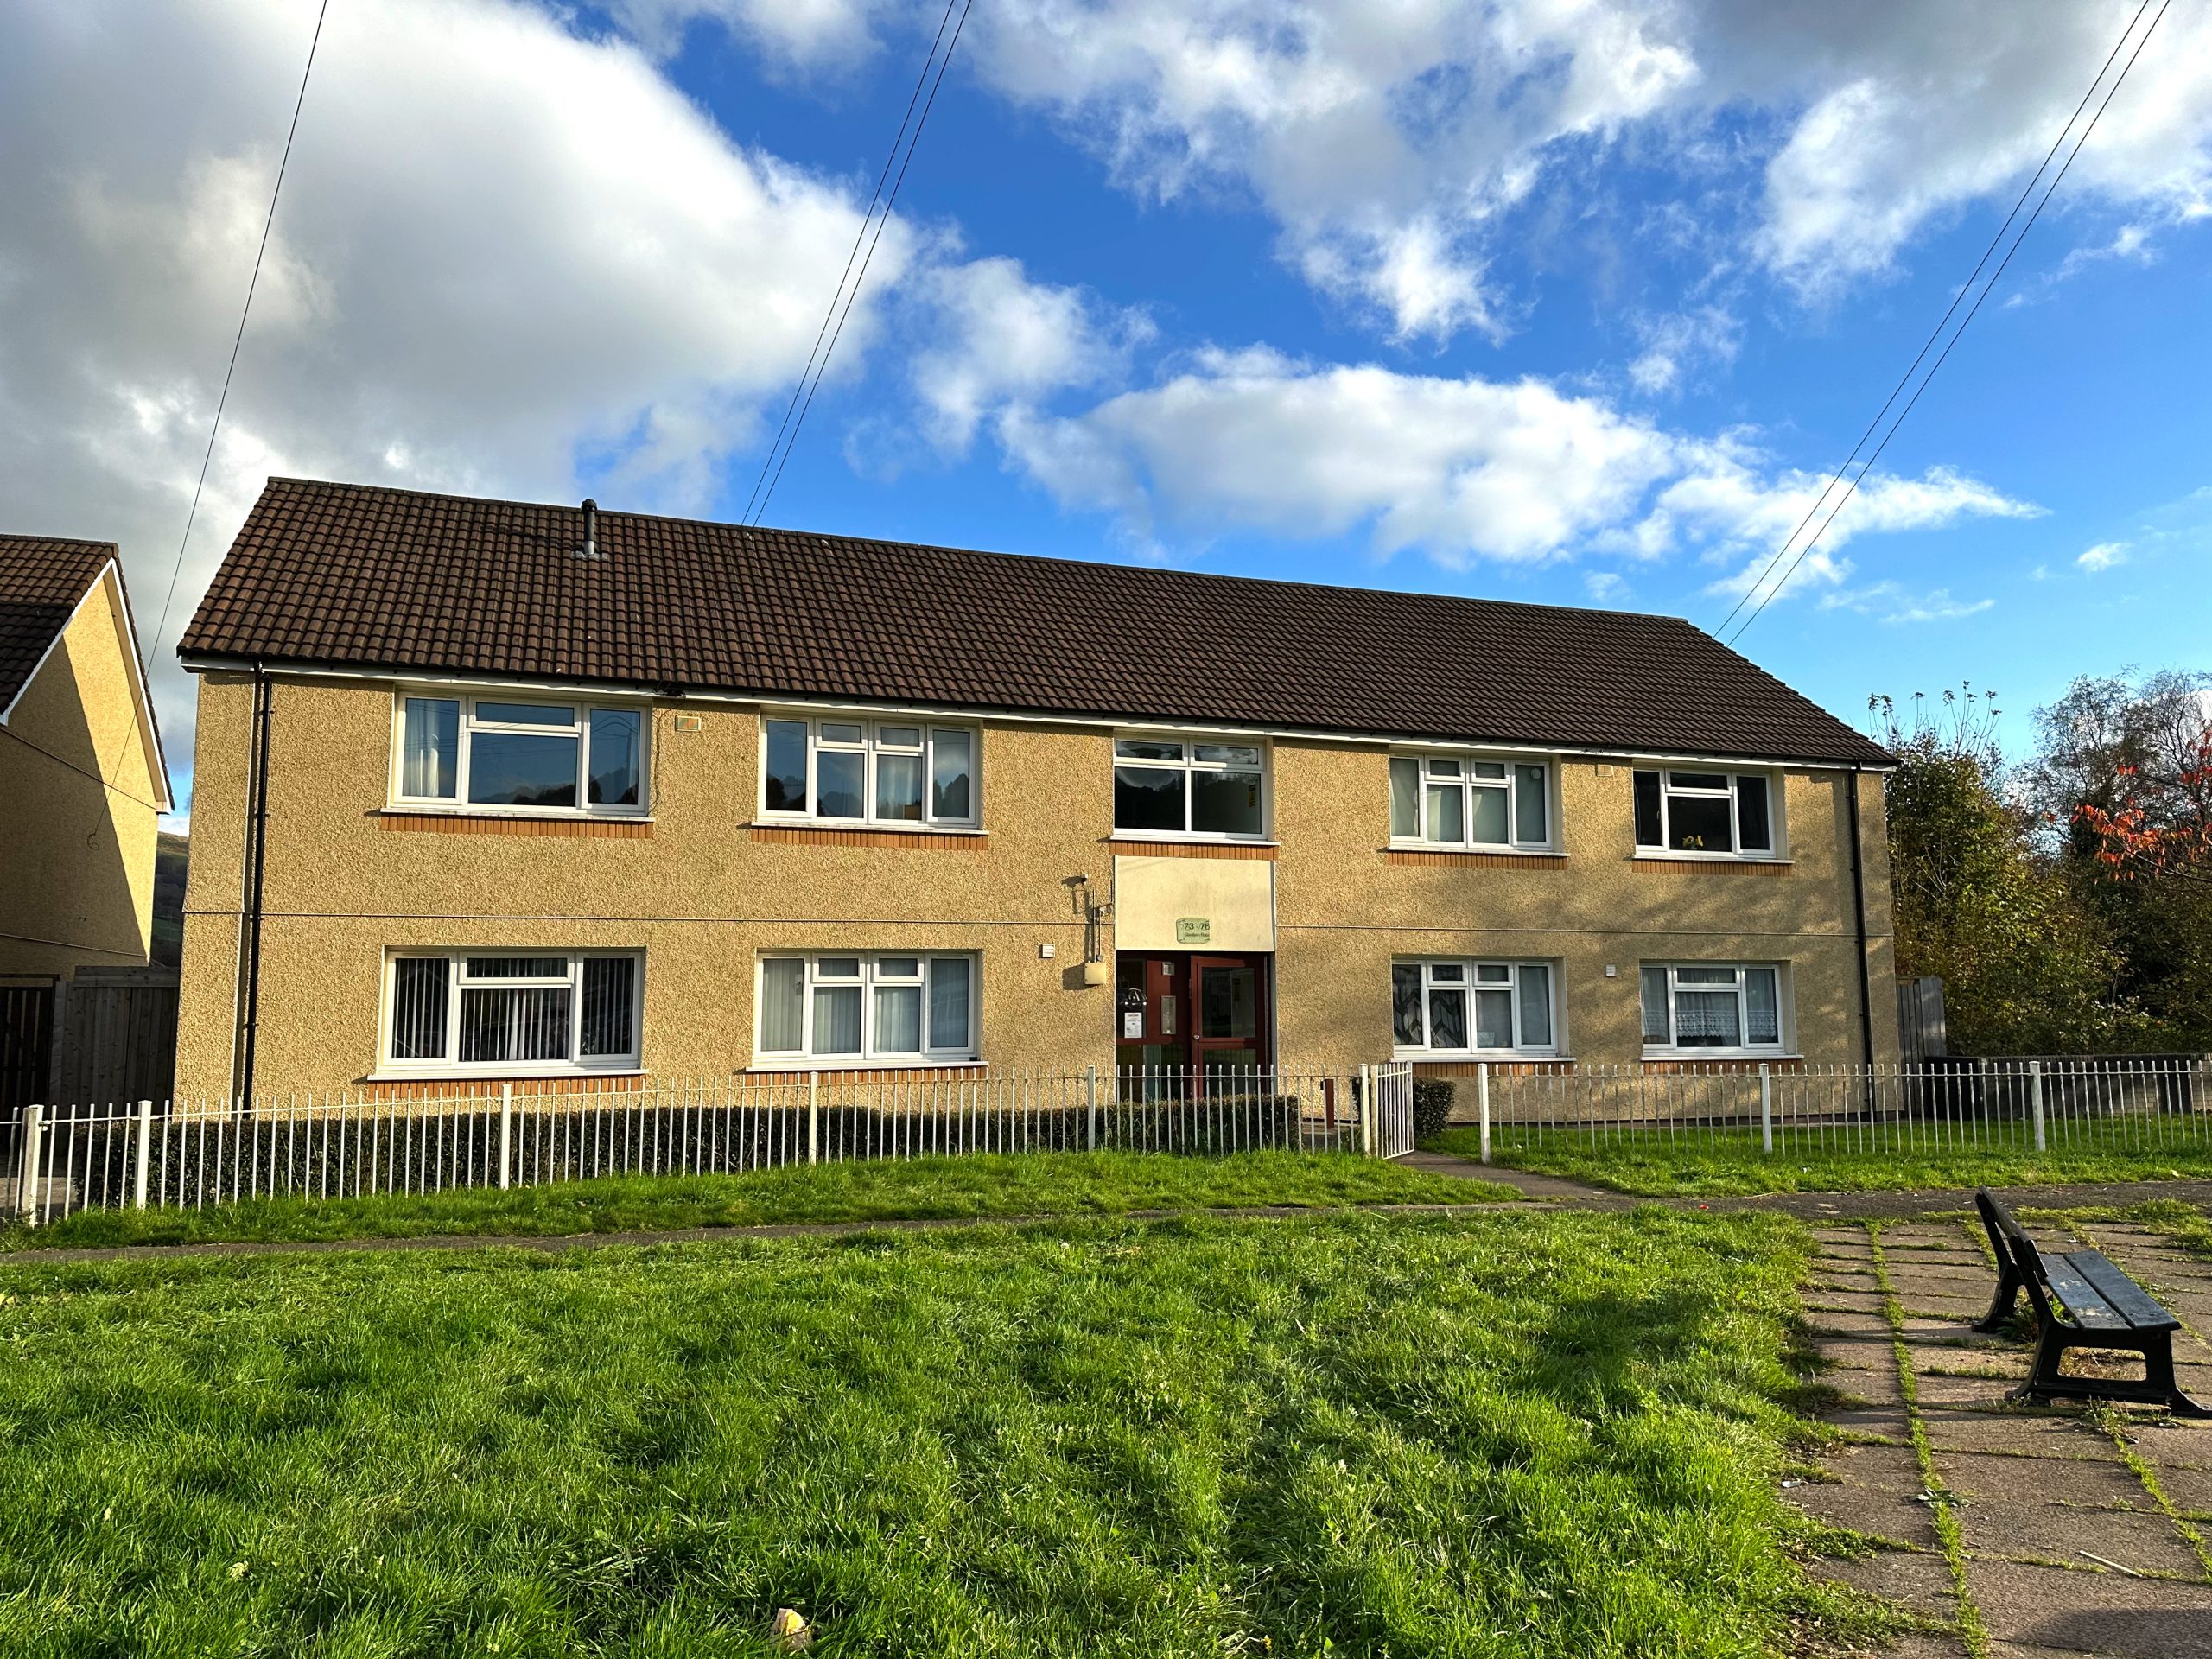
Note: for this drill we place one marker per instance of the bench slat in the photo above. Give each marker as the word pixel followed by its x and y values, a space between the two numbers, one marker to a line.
pixel 2136 1304
pixel 2083 1304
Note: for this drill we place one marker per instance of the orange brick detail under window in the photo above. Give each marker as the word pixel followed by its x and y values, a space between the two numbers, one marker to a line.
pixel 779 835
pixel 1480 861
pixel 1190 849
pixel 456 824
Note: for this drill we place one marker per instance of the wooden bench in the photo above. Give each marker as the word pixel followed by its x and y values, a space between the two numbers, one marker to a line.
pixel 2081 1301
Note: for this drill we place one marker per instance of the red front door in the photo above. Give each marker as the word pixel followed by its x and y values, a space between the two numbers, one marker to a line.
pixel 1228 1023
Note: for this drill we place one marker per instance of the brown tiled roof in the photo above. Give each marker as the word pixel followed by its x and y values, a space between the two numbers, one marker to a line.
pixel 42 579
pixel 346 574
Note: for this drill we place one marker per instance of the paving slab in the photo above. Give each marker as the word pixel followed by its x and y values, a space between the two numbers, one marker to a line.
pixel 1920 1583
pixel 1933 1388
pixel 2050 1435
pixel 1898 1518
pixel 2188 1490
pixel 2091 1611
pixel 2016 1510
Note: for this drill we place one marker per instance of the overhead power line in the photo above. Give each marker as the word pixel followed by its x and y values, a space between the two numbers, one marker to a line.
pixel 244 311
pixel 848 283
pixel 1852 487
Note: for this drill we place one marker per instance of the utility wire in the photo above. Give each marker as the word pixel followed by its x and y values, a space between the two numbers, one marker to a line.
pixel 1987 289
pixel 850 296
pixel 267 225
pixel 1965 288
pixel 859 236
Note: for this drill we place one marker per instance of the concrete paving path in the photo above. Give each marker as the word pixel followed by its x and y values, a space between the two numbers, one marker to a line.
pixel 2020 1534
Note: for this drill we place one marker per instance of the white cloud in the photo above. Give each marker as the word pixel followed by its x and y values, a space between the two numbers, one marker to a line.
pixel 796 35
pixel 1001 340
pixel 1392 144
pixel 2102 557
pixel 507 260
pixel 1605 586
pixel 1678 345
pixel 1462 468
pixel 1891 602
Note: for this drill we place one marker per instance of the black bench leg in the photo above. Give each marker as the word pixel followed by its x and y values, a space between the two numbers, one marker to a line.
pixel 2158 1373
pixel 2043 1380
pixel 2008 1285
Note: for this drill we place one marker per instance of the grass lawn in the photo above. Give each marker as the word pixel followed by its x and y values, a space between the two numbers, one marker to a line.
pixel 1714 1163
pixel 2187 1225
pixel 1479 1435
pixel 1028 1184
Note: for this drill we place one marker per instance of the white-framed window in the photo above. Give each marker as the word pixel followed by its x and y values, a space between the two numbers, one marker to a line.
pixel 519 753
pixel 1464 800
pixel 905 773
pixel 509 1011
pixel 1705 813
pixel 1706 1008
pixel 858 1008
pixel 1190 786
pixel 1451 1007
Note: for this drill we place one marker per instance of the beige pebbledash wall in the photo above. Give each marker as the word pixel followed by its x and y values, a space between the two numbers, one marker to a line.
pixel 79 811
pixel 703 896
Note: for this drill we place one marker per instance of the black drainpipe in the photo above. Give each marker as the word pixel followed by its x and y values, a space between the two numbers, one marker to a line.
pixel 1858 908
pixel 256 857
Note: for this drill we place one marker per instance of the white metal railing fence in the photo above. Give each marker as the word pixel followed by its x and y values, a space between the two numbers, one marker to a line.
pixel 2122 1105
pixel 352 1144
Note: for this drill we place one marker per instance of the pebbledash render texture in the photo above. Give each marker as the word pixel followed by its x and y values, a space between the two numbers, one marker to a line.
pixel 552 791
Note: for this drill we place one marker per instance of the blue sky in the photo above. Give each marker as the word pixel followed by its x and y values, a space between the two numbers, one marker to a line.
pixel 1571 302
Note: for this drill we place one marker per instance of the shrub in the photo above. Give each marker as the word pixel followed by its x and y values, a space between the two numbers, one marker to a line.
pixel 1432 1109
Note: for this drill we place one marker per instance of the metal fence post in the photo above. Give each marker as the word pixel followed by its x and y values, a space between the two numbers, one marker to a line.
pixel 813 1116
pixel 1482 1096
pixel 1766 1109
pixel 142 1153
pixel 506 1133
pixel 27 1186
pixel 1091 1094
pixel 1367 1108
pixel 2035 1100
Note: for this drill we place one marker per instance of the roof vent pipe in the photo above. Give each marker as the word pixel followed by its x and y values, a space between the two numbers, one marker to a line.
pixel 590 548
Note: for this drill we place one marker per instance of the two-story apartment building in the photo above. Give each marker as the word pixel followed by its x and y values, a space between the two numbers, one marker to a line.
pixel 494 790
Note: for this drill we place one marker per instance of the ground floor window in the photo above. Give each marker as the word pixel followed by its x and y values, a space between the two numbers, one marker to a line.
pixel 1704 1007
pixel 509 1010
pixel 842 1007
pixel 1442 1007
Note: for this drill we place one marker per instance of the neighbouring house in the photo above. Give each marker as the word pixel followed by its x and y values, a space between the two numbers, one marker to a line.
pixel 82 790
pixel 553 792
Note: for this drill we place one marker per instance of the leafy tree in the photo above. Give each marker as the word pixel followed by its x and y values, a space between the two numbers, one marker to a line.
pixel 2123 785
pixel 2026 968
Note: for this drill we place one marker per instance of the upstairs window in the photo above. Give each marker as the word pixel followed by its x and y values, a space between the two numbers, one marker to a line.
pixel 1472 1007
pixel 511 755
pixel 1462 801
pixel 849 1008
pixel 509 1012
pixel 1708 814
pixel 1179 786
pixel 1708 1008
pixel 894 773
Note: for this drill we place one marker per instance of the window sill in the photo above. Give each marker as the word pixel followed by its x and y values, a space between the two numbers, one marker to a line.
pixel 1691 1056
pixel 864 826
pixel 509 814
pixel 798 1067
pixel 1756 861
pixel 1187 838
pixel 1461 849
pixel 511 1074
pixel 1470 1057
